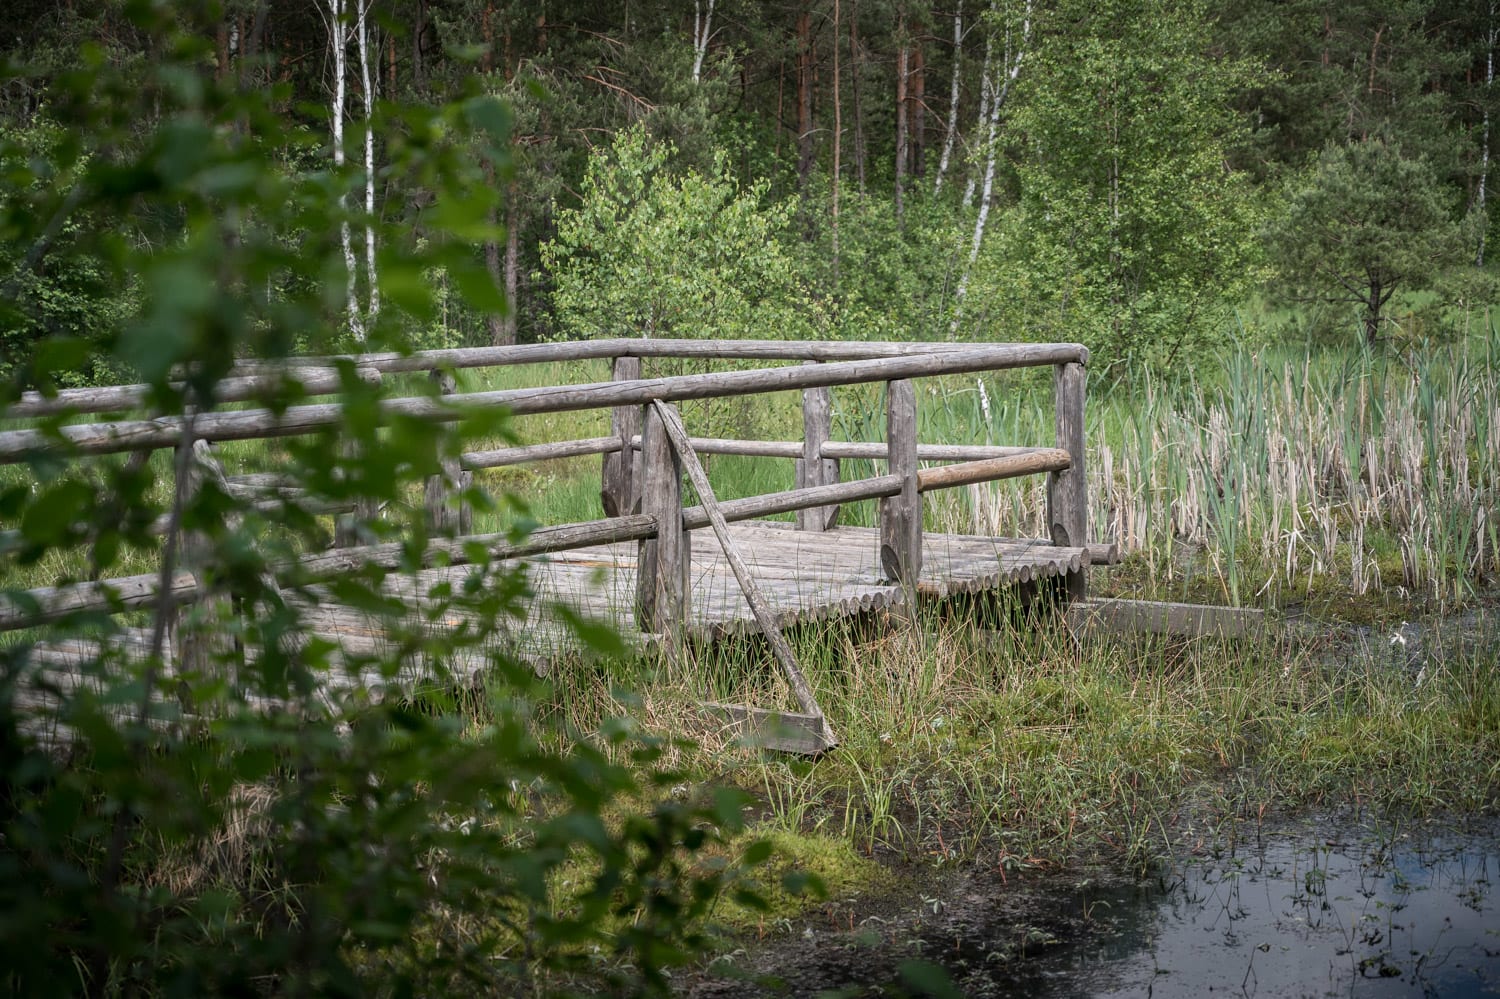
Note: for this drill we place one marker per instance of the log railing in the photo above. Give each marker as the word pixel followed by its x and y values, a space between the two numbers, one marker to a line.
pixel 643 468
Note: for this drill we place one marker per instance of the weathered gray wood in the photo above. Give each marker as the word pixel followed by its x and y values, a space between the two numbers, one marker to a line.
pixel 456 551
pixel 767 504
pixel 758 607
pixel 52 603
pixel 765 350
pixel 1067 489
pixel 989 469
pixel 443 495
pixel 501 457
pixel 835 450
pixel 121 398
pixel 46 604
pixel 1102 554
pixel 925 452
pixel 1159 618
pixel 744 448
pixel 350 529
pixel 901 514
pixel 781 731
pixel 817 426
pixel 108 438
pixel 617 489
pixel 662 566
pixel 198 642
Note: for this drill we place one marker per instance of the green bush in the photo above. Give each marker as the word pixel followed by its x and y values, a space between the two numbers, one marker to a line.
pixel 167 832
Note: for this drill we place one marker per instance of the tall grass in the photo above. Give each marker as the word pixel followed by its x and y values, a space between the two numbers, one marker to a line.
pixel 1282 469
pixel 1021 746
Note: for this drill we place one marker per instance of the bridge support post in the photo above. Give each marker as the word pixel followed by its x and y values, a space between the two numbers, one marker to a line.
pixel 1067 491
pixel 901 514
pixel 813 469
pixel 446 508
pixel 618 485
pixel 663 563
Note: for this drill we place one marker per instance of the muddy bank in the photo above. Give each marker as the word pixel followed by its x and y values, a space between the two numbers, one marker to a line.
pixel 1326 906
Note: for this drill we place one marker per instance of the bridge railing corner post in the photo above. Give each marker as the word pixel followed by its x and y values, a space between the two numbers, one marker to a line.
pixel 662 588
pixel 901 514
pixel 619 488
pixel 1067 491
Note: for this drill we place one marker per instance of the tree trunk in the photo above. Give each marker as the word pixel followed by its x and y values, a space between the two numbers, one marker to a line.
pixel 855 74
pixel 1484 147
pixel 918 111
pixel 1372 312
pixel 418 29
pixel 951 129
pixel 512 264
pixel 996 103
pixel 702 30
pixel 903 56
pixel 838 133
pixel 372 292
pixel 986 94
pixel 338 41
pixel 804 99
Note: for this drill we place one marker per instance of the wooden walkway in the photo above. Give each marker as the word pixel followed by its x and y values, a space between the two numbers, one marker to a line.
pixel 805 577
pixel 651 569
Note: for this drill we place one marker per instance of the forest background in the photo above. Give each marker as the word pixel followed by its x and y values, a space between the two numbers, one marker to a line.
pixel 1150 178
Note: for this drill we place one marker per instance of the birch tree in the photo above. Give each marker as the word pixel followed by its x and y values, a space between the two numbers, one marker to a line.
pixel 702 32
pixel 341 31
pixel 1013 59
pixel 1493 37
pixel 952 126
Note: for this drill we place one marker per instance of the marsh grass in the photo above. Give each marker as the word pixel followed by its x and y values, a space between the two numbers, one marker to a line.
pixel 1019 746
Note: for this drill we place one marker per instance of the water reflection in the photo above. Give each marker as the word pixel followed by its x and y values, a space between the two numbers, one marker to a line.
pixel 1294 916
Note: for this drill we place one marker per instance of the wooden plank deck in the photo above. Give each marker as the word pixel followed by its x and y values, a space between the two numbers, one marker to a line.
pixel 805 576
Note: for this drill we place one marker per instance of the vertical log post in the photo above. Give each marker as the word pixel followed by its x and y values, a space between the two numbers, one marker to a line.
pixel 1067 492
pixel 446 509
pixel 348 528
pixel 617 491
pixel 663 562
pixel 813 469
pixel 901 515
pixel 201 645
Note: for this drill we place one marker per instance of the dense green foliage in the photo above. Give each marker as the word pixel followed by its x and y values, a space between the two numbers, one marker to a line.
pixel 650 253
pixel 1369 221
pixel 775 161
pixel 245 824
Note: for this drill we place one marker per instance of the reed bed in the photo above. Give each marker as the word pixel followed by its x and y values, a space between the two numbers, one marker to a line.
pixel 1284 471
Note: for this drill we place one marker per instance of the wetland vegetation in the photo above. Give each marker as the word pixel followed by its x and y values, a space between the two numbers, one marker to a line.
pixel 1270 222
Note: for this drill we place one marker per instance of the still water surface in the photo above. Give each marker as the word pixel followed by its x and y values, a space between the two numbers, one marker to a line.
pixel 1294 915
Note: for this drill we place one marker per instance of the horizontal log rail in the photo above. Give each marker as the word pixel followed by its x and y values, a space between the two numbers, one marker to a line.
pixel 873 451
pixel 502 457
pixel 139 435
pixel 455 358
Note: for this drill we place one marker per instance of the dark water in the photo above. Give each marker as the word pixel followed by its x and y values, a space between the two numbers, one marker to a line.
pixel 1292 916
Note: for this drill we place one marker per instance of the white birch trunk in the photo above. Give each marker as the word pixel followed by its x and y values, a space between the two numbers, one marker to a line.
pixel 952 130
pixel 372 288
pixel 338 40
pixel 1484 152
pixel 702 24
pixel 1013 70
pixel 986 92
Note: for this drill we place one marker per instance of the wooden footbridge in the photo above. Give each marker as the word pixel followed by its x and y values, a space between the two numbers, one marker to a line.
pixel 654 565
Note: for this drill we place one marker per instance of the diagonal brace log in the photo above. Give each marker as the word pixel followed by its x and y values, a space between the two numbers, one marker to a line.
pixel 758 606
